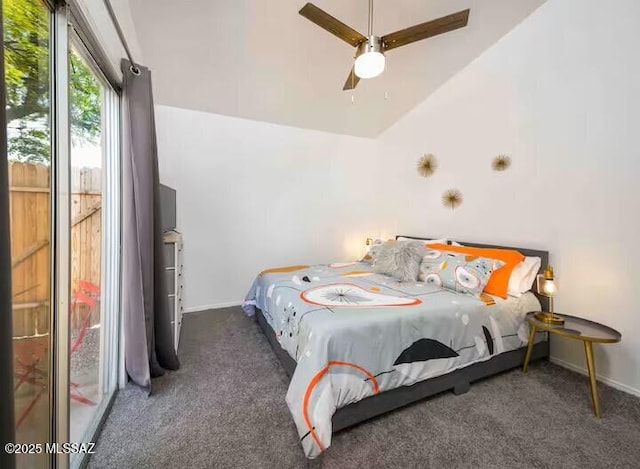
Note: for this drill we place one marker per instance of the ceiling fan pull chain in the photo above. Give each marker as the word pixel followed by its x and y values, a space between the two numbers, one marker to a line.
pixel 386 92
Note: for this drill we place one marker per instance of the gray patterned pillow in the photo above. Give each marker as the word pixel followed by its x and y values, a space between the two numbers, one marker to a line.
pixel 400 259
pixel 457 272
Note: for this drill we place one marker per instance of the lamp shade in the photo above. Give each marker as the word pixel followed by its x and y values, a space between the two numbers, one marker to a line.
pixel 369 64
pixel 546 284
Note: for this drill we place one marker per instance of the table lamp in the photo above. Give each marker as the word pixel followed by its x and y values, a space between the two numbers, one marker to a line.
pixel 546 286
pixel 368 243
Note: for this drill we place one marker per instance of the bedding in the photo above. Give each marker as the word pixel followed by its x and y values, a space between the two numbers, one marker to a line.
pixel 457 272
pixel 498 284
pixel 371 255
pixel 355 333
pixel 523 276
pixel 400 259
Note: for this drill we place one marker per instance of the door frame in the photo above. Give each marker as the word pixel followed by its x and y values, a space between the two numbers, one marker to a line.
pixel 60 234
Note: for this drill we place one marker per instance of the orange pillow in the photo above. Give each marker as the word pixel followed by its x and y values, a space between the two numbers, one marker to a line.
pixel 498 284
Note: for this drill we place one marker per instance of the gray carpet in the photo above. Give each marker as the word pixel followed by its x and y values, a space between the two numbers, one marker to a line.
pixel 225 408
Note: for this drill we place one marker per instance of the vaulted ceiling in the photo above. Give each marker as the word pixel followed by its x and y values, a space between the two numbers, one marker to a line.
pixel 259 59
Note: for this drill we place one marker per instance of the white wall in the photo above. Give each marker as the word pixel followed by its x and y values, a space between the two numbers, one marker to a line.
pixel 560 94
pixel 252 195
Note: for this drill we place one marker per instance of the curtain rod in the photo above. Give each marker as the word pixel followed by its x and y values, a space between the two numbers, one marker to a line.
pixel 134 68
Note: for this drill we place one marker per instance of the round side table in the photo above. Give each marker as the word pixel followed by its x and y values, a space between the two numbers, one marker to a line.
pixel 579 329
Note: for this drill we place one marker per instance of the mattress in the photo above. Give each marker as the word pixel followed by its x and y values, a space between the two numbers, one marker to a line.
pixel 355 333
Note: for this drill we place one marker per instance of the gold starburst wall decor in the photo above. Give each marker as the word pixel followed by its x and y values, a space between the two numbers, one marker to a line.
pixel 501 163
pixel 427 165
pixel 452 198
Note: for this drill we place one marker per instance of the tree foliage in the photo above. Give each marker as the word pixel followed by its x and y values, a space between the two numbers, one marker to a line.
pixel 27 77
pixel 86 99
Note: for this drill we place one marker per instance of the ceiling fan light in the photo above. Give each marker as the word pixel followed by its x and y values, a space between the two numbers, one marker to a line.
pixel 370 59
pixel 369 64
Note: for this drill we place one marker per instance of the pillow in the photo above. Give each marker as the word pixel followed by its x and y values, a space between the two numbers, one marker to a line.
pixel 399 259
pixel 498 283
pixel 371 254
pixel 458 272
pixel 523 276
pixel 423 240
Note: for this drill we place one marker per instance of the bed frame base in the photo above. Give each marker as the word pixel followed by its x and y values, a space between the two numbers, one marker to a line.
pixel 459 380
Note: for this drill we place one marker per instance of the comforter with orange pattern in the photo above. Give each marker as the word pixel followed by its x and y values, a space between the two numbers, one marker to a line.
pixel 355 333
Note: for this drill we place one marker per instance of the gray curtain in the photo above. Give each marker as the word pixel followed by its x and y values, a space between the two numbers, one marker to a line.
pixel 148 337
pixel 7 423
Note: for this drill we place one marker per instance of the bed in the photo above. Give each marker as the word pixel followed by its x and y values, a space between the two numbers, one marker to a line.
pixel 356 344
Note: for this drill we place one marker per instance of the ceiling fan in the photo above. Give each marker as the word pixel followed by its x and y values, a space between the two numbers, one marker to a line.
pixel 370 49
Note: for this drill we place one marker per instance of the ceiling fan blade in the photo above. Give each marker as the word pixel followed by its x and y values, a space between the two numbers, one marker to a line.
pixel 331 24
pixel 352 81
pixel 429 29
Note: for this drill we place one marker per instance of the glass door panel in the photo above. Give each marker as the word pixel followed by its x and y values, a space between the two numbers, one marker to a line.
pixel 27 32
pixel 95 241
pixel 86 321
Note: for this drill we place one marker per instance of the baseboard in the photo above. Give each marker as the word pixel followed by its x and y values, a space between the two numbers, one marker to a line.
pixel 604 379
pixel 197 309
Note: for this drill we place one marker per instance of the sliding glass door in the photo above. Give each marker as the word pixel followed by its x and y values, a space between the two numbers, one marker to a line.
pixel 63 157
pixel 28 72
pixel 94 231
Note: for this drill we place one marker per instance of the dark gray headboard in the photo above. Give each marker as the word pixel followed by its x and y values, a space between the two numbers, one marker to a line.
pixel 544 255
pixel 418 237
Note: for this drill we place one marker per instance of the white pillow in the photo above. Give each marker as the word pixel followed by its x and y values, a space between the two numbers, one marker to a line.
pixel 523 276
pixel 425 241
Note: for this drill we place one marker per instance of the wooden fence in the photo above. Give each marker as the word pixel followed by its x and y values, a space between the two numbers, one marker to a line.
pixel 30 242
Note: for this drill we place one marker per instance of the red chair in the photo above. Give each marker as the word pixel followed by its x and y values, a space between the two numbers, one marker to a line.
pixel 87 294
pixel 30 353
